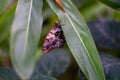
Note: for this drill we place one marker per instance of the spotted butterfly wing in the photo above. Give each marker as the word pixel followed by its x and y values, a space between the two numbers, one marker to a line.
pixel 54 39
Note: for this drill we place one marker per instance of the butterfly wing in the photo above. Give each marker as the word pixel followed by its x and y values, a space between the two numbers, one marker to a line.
pixel 54 39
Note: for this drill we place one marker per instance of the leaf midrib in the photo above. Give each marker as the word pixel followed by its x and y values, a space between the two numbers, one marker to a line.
pixel 80 40
pixel 28 26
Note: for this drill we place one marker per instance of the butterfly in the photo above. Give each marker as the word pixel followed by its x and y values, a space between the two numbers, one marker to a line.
pixel 54 39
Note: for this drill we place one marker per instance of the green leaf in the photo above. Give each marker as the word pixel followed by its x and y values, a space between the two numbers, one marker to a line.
pixel 107 30
pixel 115 4
pixel 58 61
pixel 111 66
pixel 3 5
pixel 5 22
pixel 8 74
pixel 43 77
pixel 79 40
pixel 25 35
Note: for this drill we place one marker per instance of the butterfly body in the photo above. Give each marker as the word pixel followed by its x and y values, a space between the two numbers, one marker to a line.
pixel 54 39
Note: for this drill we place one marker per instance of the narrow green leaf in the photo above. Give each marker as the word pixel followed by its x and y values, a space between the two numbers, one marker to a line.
pixel 115 4
pixel 3 5
pixel 25 35
pixel 79 40
pixel 5 22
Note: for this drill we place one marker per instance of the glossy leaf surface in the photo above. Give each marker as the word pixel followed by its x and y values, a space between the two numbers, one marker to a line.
pixel 25 35
pixel 79 40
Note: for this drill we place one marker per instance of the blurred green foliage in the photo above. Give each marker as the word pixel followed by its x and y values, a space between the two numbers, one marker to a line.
pixel 3 5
